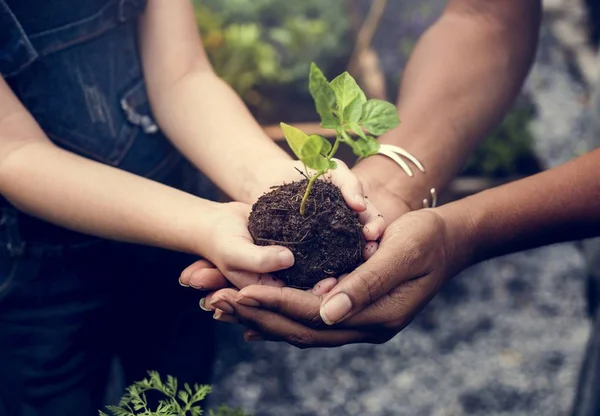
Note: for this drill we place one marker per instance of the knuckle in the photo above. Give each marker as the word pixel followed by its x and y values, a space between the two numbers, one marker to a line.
pixel 370 284
pixel 300 339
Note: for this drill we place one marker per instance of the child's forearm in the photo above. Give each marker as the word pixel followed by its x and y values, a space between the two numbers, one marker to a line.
pixel 209 124
pixel 96 199
pixel 199 112
pixel 558 205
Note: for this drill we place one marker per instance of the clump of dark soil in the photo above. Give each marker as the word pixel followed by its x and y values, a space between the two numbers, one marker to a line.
pixel 326 241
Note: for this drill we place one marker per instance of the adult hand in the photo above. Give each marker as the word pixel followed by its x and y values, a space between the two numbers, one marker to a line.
pixel 418 253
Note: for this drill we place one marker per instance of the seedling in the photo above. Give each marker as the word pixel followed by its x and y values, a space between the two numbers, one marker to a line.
pixel 325 235
pixel 343 107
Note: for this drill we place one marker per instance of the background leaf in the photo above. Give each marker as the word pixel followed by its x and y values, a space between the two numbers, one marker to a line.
pixel 379 117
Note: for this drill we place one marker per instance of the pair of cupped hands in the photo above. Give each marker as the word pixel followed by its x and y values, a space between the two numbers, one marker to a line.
pixel 406 263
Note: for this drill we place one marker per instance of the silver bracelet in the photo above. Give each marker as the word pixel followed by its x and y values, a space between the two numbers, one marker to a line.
pixel 396 153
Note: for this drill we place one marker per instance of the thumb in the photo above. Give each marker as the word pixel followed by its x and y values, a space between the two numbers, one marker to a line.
pixel 246 256
pixel 369 282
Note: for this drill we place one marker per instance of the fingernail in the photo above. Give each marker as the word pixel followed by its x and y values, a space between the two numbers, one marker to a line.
pixel 181 283
pixel 224 317
pixel 361 200
pixel 221 304
pixel 203 305
pixel 244 300
pixel 286 258
pixel 336 308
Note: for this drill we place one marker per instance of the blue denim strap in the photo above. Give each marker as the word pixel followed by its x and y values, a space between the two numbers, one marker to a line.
pixel 114 13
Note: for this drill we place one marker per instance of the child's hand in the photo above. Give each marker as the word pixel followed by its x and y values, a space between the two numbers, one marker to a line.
pixel 231 254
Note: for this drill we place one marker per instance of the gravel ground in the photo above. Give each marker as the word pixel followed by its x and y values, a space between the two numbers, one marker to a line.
pixel 504 338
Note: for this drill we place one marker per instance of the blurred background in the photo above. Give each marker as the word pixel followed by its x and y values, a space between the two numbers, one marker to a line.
pixel 504 338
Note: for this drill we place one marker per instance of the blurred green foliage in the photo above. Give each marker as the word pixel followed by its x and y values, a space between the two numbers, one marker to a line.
pixel 263 48
pixel 507 151
pixel 258 43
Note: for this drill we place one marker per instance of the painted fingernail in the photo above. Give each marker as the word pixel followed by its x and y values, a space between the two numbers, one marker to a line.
pixel 245 300
pixel 221 304
pixel 336 308
pixel 224 317
pixel 286 258
pixel 203 305
pixel 181 283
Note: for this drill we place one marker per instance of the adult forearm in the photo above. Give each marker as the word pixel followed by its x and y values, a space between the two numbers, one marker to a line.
pixel 96 199
pixel 561 204
pixel 460 80
pixel 209 124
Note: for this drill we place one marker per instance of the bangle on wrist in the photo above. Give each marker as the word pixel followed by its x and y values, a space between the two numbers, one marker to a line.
pixel 396 153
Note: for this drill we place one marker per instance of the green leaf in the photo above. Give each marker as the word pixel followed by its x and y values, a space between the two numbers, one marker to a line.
pixel 379 117
pixel 324 97
pixel 317 163
pixel 295 138
pixel 358 130
pixel 353 112
pixel 332 165
pixel 347 91
pixel 325 144
pixel 366 147
pixel 311 153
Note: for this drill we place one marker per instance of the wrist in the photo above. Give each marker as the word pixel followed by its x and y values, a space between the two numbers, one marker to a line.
pixel 391 199
pixel 460 235
pixel 262 176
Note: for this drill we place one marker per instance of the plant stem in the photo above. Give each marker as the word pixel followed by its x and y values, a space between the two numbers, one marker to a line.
pixel 311 182
pixel 335 147
pixel 314 178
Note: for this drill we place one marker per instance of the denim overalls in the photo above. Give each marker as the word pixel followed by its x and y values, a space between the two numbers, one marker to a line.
pixel 69 303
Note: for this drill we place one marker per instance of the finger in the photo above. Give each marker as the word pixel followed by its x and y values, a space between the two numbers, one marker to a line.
pixel 324 286
pixel 279 328
pixel 221 316
pixel 208 279
pixel 373 222
pixel 241 279
pixel 388 267
pixel 299 305
pixel 246 256
pixel 184 278
pixel 395 310
pixel 351 187
pixel 211 301
pixel 370 249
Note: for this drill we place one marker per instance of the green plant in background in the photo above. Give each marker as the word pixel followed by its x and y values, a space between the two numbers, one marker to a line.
pixel 176 402
pixel 255 43
pixel 344 108
pixel 508 150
